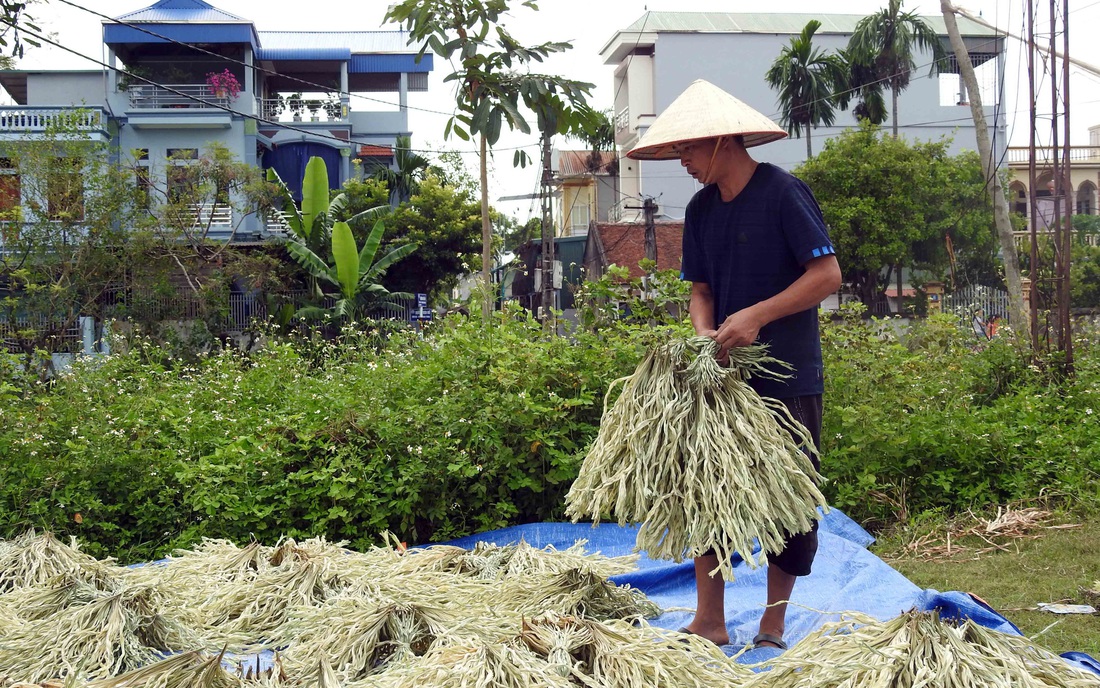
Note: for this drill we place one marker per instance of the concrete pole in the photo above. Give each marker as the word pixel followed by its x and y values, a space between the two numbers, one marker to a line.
pixel 1018 315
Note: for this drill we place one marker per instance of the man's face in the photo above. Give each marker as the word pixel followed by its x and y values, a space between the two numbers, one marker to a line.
pixel 696 156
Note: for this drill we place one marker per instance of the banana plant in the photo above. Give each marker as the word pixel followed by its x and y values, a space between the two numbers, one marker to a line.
pixel 354 272
pixel 312 223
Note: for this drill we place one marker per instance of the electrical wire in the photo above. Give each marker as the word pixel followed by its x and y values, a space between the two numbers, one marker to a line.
pixel 254 67
pixel 225 108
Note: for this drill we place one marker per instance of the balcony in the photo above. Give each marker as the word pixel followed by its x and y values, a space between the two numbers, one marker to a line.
pixel 1044 157
pixel 149 97
pixel 19 122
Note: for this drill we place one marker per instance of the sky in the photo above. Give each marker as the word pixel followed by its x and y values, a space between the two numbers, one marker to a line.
pixel 589 25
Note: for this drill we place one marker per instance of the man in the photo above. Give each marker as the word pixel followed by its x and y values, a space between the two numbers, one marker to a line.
pixel 760 261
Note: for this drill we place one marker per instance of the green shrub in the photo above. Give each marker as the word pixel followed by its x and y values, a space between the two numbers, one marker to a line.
pixel 939 420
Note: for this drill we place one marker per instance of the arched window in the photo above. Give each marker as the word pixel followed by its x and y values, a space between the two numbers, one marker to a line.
pixel 1018 198
pixel 1086 199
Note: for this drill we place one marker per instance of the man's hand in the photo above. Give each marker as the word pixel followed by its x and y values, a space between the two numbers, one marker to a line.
pixel 740 329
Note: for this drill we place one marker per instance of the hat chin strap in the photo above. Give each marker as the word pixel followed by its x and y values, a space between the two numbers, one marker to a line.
pixel 710 165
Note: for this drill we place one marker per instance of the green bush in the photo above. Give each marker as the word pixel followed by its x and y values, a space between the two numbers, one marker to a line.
pixel 463 429
pixel 942 421
pixel 467 427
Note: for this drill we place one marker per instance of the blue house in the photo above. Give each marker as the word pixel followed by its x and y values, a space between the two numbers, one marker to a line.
pixel 338 95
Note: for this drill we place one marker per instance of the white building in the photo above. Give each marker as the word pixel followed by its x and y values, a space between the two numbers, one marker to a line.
pixel 662 53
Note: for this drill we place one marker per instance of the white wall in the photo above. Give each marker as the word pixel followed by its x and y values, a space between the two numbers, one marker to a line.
pixel 65 88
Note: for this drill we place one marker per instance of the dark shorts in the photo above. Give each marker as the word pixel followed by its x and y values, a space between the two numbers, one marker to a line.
pixel 798 554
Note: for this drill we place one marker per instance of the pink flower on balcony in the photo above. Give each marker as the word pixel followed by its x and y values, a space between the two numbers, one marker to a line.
pixel 224 84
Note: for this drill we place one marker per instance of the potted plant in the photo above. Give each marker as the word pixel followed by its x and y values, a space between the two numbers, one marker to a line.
pixel 313 106
pixel 333 108
pixel 294 103
pixel 223 84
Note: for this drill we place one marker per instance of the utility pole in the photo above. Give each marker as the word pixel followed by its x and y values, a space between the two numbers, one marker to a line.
pixel 649 206
pixel 547 299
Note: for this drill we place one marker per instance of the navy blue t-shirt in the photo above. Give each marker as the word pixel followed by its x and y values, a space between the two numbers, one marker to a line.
pixel 753 248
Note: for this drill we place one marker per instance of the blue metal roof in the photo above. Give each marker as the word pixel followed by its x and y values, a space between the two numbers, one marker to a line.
pixel 339 54
pixel 120 34
pixel 181 11
pixel 355 41
pixel 372 64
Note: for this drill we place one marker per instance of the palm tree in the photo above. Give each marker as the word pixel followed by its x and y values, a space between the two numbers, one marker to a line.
pixel 863 86
pixel 807 80
pixel 885 43
pixel 404 181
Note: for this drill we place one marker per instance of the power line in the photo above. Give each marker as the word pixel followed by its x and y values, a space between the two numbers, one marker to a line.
pixel 225 108
pixel 254 67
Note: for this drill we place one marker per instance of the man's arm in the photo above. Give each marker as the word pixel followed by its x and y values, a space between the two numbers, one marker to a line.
pixel 701 308
pixel 821 278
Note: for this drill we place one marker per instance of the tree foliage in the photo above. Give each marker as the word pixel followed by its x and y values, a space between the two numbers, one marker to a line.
pixel 807 80
pixel 888 202
pixel 492 82
pixel 63 245
pixel 882 51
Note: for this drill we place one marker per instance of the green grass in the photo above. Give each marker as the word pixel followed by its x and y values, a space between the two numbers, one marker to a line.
pixel 1051 568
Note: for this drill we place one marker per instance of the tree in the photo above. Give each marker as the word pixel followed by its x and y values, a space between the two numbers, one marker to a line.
pixel 15 21
pixel 404 181
pixel 489 83
pixel 445 223
pixel 883 45
pixel 806 79
pixel 64 246
pixel 891 203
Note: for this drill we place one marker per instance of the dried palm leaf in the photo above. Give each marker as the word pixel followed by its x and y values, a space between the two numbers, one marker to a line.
pixel 361 636
pixel 918 649
pixel 621 655
pixel 703 462
pixel 187 670
pixel 574 593
pixel 107 635
pixel 35 559
pixel 474 664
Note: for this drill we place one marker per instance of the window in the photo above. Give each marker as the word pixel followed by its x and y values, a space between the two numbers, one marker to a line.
pixel 65 190
pixel 11 190
pixel 183 153
pixel 144 184
pixel 1019 199
pixel 578 220
pixel 1086 199
pixel 181 186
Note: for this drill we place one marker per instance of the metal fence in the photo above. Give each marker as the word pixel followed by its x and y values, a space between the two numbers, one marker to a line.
pixel 971 299
pixel 67 337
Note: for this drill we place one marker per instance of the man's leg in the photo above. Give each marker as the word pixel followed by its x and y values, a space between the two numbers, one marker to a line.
pixel 780 586
pixel 710 610
pixel 798 555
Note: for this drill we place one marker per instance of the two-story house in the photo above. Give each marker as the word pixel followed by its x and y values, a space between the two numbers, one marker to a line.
pixel 338 95
pixel 662 53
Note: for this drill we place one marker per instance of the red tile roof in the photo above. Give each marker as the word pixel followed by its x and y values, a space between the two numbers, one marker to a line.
pixel 574 163
pixel 624 244
pixel 371 151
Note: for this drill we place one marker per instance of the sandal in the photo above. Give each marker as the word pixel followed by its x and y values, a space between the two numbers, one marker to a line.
pixel 768 638
pixel 686 631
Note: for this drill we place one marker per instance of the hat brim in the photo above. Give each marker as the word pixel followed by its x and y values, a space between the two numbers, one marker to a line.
pixel 666 150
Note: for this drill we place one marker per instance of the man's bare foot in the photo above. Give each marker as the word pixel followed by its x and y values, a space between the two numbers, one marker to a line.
pixel 715 634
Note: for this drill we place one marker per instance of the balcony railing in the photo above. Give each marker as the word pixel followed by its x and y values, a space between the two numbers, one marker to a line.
pixel 39 119
pixel 622 119
pixel 147 96
pixel 216 216
pixel 274 110
pixel 1045 156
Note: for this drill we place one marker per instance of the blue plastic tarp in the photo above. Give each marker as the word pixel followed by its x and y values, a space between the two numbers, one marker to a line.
pixel 846 577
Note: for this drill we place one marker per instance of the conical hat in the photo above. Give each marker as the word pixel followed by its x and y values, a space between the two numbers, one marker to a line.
pixel 704 111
